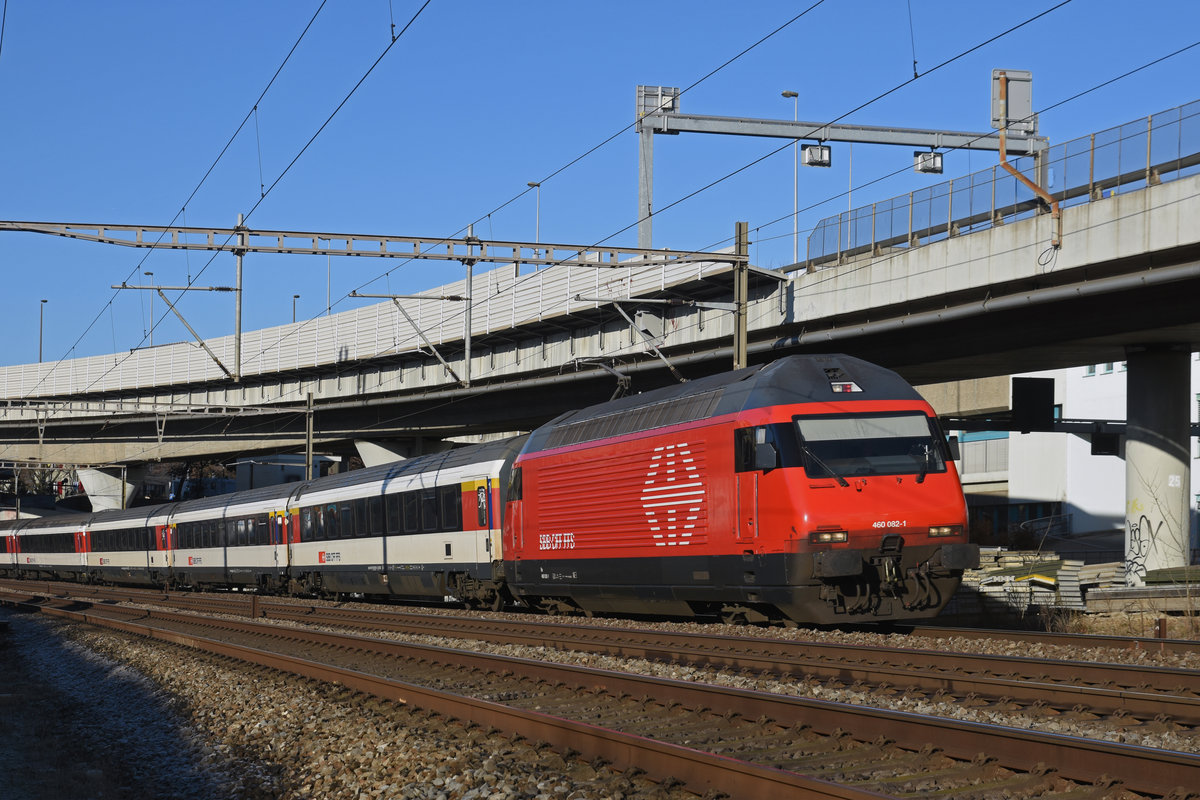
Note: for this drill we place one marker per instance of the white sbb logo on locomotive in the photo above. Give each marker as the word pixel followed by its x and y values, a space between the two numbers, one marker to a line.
pixel 672 495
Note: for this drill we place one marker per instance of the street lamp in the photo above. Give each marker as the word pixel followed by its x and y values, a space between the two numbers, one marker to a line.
pixel 41 319
pixel 150 275
pixel 537 223
pixel 795 177
pixel 537 219
pixel 295 297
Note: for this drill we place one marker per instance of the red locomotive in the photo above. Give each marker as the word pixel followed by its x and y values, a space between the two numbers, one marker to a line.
pixel 815 489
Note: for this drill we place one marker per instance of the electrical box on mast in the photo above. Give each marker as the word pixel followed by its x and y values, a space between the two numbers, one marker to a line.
pixel 657 100
pixel 1020 117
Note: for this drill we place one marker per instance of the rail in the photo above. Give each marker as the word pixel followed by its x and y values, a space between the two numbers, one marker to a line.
pixel 705 735
pixel 1138 154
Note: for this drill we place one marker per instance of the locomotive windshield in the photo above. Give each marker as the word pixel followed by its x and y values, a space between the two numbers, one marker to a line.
pixel 838 446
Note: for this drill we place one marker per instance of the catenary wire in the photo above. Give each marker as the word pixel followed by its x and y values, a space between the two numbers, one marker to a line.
pixel 785 146
pixel 134 271
pixel 1159 60
pixel 273 185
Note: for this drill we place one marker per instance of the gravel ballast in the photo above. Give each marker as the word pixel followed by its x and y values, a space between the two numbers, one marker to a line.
pixel 78 724
pixel 253 733
pixel 272 736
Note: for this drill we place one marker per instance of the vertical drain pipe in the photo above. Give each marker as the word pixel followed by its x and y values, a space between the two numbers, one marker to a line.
pixel 1055 211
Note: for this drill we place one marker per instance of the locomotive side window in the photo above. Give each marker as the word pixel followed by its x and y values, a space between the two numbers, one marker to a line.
pixel 515 488
pixel 743 449
pixel 765 447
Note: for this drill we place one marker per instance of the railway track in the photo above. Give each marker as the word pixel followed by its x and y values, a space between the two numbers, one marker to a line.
pixel 1089 640
pixel 712 738
pixel 1114 699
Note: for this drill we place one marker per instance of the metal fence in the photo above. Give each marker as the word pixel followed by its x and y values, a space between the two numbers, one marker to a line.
pixel 1135 155
pixel 501 301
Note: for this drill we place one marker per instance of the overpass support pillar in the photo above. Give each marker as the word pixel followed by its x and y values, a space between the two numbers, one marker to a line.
pixel 1157 450
pixel 112 487
pixel 374 453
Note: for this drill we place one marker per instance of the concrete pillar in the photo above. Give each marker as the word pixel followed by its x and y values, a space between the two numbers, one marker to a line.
pixel 1157 445
pixel 374 452
pixel 105 488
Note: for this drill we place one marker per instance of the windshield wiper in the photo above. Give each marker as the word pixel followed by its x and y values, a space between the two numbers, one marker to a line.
pixel 808 452
pixel 927 456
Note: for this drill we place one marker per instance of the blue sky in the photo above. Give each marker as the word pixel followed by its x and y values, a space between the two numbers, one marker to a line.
pixel 114 111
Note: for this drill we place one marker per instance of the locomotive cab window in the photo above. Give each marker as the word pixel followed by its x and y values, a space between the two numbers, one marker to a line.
pixel 765 447
pixel 842 446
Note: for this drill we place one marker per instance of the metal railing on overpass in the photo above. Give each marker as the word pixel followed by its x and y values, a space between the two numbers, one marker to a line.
pixel 502 302
pixel 1135 155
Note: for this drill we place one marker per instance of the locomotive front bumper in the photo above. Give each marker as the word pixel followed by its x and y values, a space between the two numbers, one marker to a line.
pixel 850 563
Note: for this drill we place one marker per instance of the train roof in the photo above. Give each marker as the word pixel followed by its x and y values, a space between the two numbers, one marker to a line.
pixel 48 521
pixel 788 381
pixel 459 456
pixel 498 450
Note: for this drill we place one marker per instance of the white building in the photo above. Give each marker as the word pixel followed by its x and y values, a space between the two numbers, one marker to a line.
pixel 1051 482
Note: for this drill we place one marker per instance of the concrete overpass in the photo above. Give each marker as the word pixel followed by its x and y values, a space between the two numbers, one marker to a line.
pixel 965 307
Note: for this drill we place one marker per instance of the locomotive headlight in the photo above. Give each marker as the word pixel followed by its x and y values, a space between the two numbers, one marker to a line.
pixel 945 530
pixel 827 537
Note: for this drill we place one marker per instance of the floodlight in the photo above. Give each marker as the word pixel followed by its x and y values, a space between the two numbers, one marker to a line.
pixel 929 162
pixel 816 155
